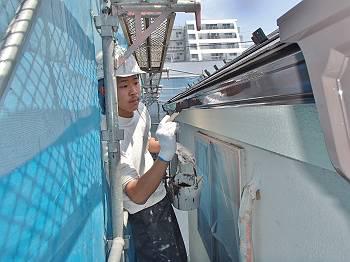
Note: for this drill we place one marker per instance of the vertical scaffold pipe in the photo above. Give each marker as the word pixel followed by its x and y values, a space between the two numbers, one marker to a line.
pixel 12 43
pixel 113 147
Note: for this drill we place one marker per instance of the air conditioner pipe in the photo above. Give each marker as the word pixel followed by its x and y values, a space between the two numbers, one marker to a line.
pixel 250 193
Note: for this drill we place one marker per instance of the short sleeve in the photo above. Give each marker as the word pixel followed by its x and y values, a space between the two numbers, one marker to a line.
pixel 127 170
pixel 149 123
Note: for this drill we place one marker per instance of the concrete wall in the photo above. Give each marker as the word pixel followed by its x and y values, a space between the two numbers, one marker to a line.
pixel 50 172
pixel 304 212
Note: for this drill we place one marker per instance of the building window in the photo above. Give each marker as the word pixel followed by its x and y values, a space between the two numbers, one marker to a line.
pixel 210 46
pixel 217 56
pixel 228 26
pixel 211 26
pixel 190 27
pixel 179 43
pixel 193 46
pixel 191 36
pixel 194 56
pixel 232 45
pixel 213 36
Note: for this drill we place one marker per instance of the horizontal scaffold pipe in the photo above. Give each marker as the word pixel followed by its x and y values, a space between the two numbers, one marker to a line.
pixel 15 36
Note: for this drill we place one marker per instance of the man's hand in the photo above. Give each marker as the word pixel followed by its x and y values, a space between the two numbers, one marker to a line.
pixel 153 145
pixel 166 136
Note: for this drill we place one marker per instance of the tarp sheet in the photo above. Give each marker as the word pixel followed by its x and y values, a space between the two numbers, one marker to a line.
pixel 219 164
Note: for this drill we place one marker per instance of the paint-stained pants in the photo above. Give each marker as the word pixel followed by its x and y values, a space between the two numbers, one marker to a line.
pixel 157 235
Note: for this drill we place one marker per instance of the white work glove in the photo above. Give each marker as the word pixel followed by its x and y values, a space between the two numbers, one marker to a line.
pixel 166 137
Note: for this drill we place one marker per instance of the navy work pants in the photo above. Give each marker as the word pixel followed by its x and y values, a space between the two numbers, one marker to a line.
pixel 157 235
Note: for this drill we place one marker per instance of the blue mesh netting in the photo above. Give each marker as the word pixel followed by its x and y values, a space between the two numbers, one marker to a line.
pixel 50 171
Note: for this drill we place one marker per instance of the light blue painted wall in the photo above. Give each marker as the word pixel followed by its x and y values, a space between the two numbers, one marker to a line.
pixel 292 131
pixel 304 212
pixel 51 195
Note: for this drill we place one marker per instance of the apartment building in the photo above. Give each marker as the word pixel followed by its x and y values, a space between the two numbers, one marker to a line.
pixel 218 40
pixel 177 45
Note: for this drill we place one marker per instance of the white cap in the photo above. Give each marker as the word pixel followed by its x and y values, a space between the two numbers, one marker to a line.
pixel 128 68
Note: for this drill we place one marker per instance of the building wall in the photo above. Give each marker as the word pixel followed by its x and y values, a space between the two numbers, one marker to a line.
pixel 303 213
pixel 51 195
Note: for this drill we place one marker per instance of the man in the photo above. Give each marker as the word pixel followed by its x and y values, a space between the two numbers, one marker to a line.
pixel 154 225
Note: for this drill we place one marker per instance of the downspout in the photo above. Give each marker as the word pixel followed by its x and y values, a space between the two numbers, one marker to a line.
pixel 250 193
pixel 114 135
pixel 12 44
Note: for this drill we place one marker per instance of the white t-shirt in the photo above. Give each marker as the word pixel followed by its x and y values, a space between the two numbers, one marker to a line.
pixel 135 158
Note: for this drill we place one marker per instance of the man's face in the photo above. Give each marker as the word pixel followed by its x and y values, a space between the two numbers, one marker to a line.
pixel 128 95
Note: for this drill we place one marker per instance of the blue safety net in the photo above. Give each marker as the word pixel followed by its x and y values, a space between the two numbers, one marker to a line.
pixel 51 193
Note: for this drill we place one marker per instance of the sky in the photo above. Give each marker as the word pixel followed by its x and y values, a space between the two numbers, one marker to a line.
pixel 251 14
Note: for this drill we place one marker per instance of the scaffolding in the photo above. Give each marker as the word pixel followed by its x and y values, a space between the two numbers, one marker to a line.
pixel 147 26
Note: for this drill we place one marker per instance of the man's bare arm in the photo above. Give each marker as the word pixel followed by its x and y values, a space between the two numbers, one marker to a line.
pixel 139 190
